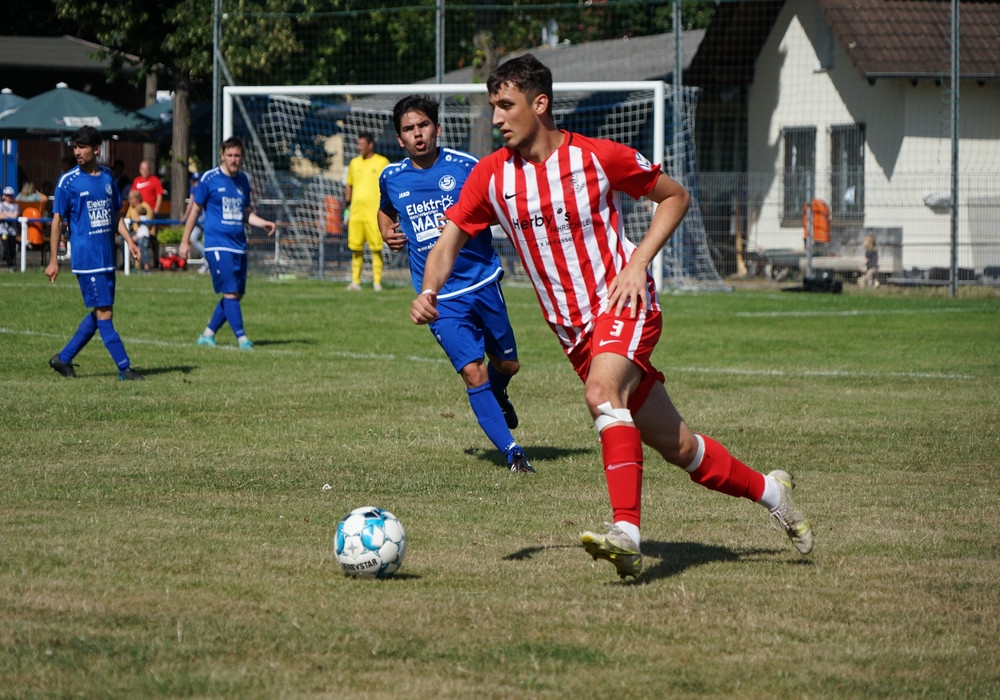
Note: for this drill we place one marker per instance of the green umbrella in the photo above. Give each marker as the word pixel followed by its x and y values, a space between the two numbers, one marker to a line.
pixel 9 101
pixel 62 111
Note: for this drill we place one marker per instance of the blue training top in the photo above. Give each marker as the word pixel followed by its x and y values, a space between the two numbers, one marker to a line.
pixel 226 202
pixel 419 198
pixel 87 204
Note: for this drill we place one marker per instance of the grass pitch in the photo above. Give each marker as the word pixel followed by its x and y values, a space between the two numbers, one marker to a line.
pixel 173 538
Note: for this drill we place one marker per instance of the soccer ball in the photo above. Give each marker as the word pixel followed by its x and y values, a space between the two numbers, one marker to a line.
pixel 370 543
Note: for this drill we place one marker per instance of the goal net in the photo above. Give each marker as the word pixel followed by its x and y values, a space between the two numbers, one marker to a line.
pixel 300 140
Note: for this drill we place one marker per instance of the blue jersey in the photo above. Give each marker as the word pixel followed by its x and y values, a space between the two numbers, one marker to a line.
pixel 88 204
pixel 226 203
pixel 418 198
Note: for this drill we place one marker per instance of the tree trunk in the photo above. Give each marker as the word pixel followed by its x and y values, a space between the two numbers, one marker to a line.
pixel 179 173
pixel 149 149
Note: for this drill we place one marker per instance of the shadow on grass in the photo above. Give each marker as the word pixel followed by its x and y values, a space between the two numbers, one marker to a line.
pixel 153 371
pixel 666 559
pixel 533 452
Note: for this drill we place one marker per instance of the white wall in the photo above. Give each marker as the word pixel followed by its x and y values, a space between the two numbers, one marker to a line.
pixel 908 146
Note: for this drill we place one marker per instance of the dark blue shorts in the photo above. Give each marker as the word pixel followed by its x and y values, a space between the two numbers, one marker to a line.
pixel 229 271
pixel 98 289
pixel 473 324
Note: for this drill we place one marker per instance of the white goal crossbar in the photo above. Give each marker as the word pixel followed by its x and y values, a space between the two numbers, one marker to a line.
pixel 236 119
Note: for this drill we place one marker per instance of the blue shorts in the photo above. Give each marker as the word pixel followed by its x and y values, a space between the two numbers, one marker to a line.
pixel 229 271
pixel 474 323
pixel 98 289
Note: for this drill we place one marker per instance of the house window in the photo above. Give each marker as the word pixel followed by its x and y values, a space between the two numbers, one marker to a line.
pixel 800 172
pixel 823 42
pixel 847 172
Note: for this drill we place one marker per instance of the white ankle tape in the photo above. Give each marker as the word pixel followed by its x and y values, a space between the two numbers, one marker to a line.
pixel 696 462
pixel 611 415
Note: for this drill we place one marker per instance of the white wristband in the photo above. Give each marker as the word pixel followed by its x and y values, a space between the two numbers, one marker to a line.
pixel 428 291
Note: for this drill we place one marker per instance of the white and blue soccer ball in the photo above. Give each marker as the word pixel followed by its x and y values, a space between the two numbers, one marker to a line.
pixel 370 543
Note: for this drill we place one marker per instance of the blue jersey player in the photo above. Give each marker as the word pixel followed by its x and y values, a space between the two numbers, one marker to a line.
pixel 223 193
pixel 88 201
pixel 473 316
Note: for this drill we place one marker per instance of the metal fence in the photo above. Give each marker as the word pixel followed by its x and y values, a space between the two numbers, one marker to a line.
pixel 750 233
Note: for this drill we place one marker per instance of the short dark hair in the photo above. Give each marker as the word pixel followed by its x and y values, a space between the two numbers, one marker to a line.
pixel 86 136
pixel 232 142
pixel 367 136
pixel 526 73
pixel 414 103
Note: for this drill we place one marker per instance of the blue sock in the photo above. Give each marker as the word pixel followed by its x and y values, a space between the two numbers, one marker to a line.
pixel 218 317
pixel 84 332
pixel 113 342
pixel 234 314
pixel 498 380
pixel 490 417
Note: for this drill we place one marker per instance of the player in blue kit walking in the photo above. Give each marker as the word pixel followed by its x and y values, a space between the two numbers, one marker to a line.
pixel 223 193
pixel 473 317
pixel 88 200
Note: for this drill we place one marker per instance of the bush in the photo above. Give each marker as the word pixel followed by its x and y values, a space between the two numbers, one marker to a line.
pixel 170 235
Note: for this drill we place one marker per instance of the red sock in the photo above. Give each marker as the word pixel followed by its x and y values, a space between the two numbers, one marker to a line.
pixel 621 448
pixel 722 472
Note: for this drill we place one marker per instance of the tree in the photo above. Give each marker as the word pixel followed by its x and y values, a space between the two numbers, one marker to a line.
pixel 173 40
pixel 328 41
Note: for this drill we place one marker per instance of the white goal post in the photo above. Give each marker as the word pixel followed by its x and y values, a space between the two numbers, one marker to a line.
pixel 300 139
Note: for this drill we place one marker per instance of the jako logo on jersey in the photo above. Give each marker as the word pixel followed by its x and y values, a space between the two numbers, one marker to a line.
pixel 642 162
pixel 447 183
pixel 403 195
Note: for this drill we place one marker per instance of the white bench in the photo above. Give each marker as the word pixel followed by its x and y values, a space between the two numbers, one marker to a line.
pixel 887 265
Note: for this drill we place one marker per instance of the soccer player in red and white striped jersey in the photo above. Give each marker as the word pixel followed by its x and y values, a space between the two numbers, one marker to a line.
pixel 556 195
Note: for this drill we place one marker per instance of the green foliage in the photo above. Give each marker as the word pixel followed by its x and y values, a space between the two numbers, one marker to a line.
pixel 310 42
pixel 172 538
pixel 170 235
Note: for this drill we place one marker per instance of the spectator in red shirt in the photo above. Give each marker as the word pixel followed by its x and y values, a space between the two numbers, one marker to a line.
pixel 149 186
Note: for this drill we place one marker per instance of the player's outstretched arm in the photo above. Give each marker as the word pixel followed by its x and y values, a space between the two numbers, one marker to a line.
pixel 440 262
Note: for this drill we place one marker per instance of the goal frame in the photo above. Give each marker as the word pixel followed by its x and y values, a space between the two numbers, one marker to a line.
pixel 230 93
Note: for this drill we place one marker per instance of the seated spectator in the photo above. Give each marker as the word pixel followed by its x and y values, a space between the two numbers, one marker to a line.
pixel 29 193
pixel 137 223
pixel 8 231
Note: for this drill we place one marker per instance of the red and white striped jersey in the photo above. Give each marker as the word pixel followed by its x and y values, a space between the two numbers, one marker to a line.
pixel 564 218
